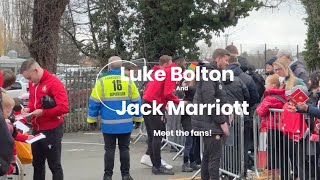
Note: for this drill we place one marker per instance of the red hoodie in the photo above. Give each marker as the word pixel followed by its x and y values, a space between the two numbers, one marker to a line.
pixel 53 87
pixel 161 91
pixel 268 119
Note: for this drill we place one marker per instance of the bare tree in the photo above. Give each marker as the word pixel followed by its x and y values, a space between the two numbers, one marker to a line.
pixel 11 17
pixel 43 46
pixel 68 53
pixel 25 10
pixel 100 28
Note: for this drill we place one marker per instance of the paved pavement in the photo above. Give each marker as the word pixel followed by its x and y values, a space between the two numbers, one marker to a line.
pixel 82 159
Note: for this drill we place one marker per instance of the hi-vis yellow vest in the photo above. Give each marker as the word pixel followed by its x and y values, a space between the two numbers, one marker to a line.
pixel 108 95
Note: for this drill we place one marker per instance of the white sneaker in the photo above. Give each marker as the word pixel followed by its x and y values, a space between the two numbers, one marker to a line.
pixel 168 166
pixel 145 159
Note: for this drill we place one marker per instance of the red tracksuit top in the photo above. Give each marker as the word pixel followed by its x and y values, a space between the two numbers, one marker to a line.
pixel 161 91
pixel 52 86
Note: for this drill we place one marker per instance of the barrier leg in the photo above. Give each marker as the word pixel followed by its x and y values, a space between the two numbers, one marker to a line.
pixel 196 174
pixel 180 152
pixel 165 144
pixel 140 134
pixel 201 155
pixel 138 137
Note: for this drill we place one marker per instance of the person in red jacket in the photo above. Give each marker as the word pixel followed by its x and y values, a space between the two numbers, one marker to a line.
pixel 161 92
pixel 274 97
pixel 48 102
pixel 8 105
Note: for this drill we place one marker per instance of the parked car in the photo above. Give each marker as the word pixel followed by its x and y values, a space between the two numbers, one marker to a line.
pixel 22 80
pixel 17 89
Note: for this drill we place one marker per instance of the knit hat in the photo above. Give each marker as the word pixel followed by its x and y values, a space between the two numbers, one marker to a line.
pixel 272 60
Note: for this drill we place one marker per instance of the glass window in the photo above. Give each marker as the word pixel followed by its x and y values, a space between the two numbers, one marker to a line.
pixel 15 86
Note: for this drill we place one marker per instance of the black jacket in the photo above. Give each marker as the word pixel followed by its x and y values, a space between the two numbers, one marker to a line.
pixel 206 93
pixel 248 81
pixel 258 79
pixel 6 146
pixel 236 90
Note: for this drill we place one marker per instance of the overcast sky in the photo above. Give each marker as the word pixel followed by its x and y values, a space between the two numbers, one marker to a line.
pixel 283 27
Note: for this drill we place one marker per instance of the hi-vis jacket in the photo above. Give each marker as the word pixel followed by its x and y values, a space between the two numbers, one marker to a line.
pixel 113 91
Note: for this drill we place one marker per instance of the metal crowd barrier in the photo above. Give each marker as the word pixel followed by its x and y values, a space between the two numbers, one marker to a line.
pixel 232 159
pixel 282 155
pixel 178 146
pixel 175 142
pixel 142 132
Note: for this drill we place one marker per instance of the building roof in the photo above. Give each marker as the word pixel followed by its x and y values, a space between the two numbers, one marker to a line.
pixel 9 60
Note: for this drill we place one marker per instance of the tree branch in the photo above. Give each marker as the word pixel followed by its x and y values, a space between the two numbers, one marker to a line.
pixel 78 44
pixel 272 6
pixel 94 39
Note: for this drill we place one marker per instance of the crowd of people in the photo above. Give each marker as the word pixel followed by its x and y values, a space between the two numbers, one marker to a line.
pixel 284 75
pixel 48 102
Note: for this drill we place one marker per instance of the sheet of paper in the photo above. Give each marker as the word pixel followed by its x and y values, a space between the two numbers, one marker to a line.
pixel 21 126
pixel 22 116
pixel 36 138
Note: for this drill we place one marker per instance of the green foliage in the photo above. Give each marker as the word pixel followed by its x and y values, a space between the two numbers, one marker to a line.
pixel 174 28
pixel 107 27
pixel 151 28
pixel 312 53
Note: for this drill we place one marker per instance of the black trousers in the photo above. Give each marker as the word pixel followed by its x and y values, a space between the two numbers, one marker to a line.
pixel 154 123
pixel 211 157
pixel 196 149
pixel 248 145
pixel 48 149
pixel 110 147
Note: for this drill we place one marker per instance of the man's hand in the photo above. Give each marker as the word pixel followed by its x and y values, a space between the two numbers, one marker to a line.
pixel 303 106
pixel 225 128
pixel 93 126
pixel 37 112
pixel 292 108
pixel 25 110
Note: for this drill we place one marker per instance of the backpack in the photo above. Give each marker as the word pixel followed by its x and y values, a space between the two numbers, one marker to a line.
pixel 6 144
